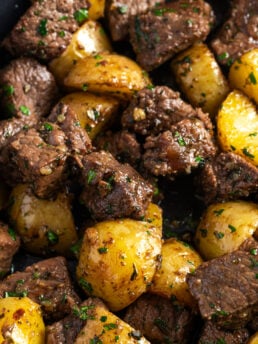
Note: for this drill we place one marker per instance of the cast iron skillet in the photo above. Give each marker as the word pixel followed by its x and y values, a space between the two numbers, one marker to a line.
pixel 181 208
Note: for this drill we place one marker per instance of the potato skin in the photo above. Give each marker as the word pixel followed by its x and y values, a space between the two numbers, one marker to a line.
pixel 224 227
pixel 200 78
pixel 89 39
pixel 178 259
pixel 21 321
pixel 105 73
pixel 94 112
pixel 45 226
pixel 253 339
pixel 237 126
pixel 118 258
pixel 107 327
pixel 243 74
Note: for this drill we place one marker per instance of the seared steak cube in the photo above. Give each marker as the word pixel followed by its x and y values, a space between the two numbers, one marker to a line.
pixel 113 190
pixel 179 150
pixel 226 288
pixel 159 320
pixel 239 33
pixel 46 29
pixel 228 176
pixel 27 88
pixel 9 245
pixel 163 31
pixel 123 145
pixel 154 110
pixel 120 12
pixel 212 334
pixel 47 283
pixel 27 158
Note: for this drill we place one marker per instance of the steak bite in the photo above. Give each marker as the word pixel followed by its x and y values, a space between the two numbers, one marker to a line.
pixel 123 145
pixel 154 110
pixel 239 33
pixel 212 334
pixel 167 29
pixel 159 320
pixel 179 150
pixel 227 177
pixel 113 190
pixel 226 288
pixel 27 87
pixel 9 245
pixel 46 283
pixel 120 12
pixel 46 28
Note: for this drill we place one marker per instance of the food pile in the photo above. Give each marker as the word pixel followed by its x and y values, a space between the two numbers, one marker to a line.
pixel 106 107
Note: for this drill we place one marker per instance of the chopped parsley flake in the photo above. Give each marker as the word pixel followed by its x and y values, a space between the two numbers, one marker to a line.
pixel 42 28
pixel 81 15
pixel 25 110
pixel 252 78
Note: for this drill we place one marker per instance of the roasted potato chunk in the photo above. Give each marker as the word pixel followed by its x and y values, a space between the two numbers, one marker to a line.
pixel 118 258
pixel 253 339
pixel 237 125
pixel 200 78
pixel 243 74
pixel 224 227
pixel 178 259
pixel 45 226
pixel 94 112
pixel 107 73
pixel 103 326
pixel 89 39
pixel 96 9
pixel 21 321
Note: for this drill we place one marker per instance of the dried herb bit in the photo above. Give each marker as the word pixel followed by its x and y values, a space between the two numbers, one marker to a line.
pixel 218 235
pixel 110 326
pixel 254 251
pixel 232 228
pixel 16 294
pixel 48 126
pixel 90 176
pixel 123 9
pixel 102 250
pixel 204 232
pixel 103 318
pixel 81 15
pixel 8 90
pixel 85 285
pixel 180 139
pixel 52 237
pixel 82 312
pixel 135 273
pixel 223 56
pixel 252 78
pixel 247 153
pixel 25 110
pixel 218 212
pixel 12 233
pixel 42 28
pixel 95 340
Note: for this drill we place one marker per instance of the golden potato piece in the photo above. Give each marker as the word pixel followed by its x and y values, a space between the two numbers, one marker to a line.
pixel 89 39
pixel 243 74
pixel 200 78
pixel 94 112
pixel 178 259
pixel 21 321
pixel 108 73
pixel 224 227
pixel 103 326
pixel 118 258
pixel 237 125
pixel 96 9
pixel 253 339
pixel 45 226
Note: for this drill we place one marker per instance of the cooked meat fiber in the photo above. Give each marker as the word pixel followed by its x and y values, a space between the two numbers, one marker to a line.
pixel 47 283
pixel 66 330
pixel 239 33
pixel 9 245
pixel 27 87
pixel 40 155
pixel 178 150
pixel 120 12
pixel 212 334
pixel 159 320
pixel 46 29
pixel 123 145
pixel 152 111
pixel 163 31
pixel 113 190
pixel 227 177
pixel 226 288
